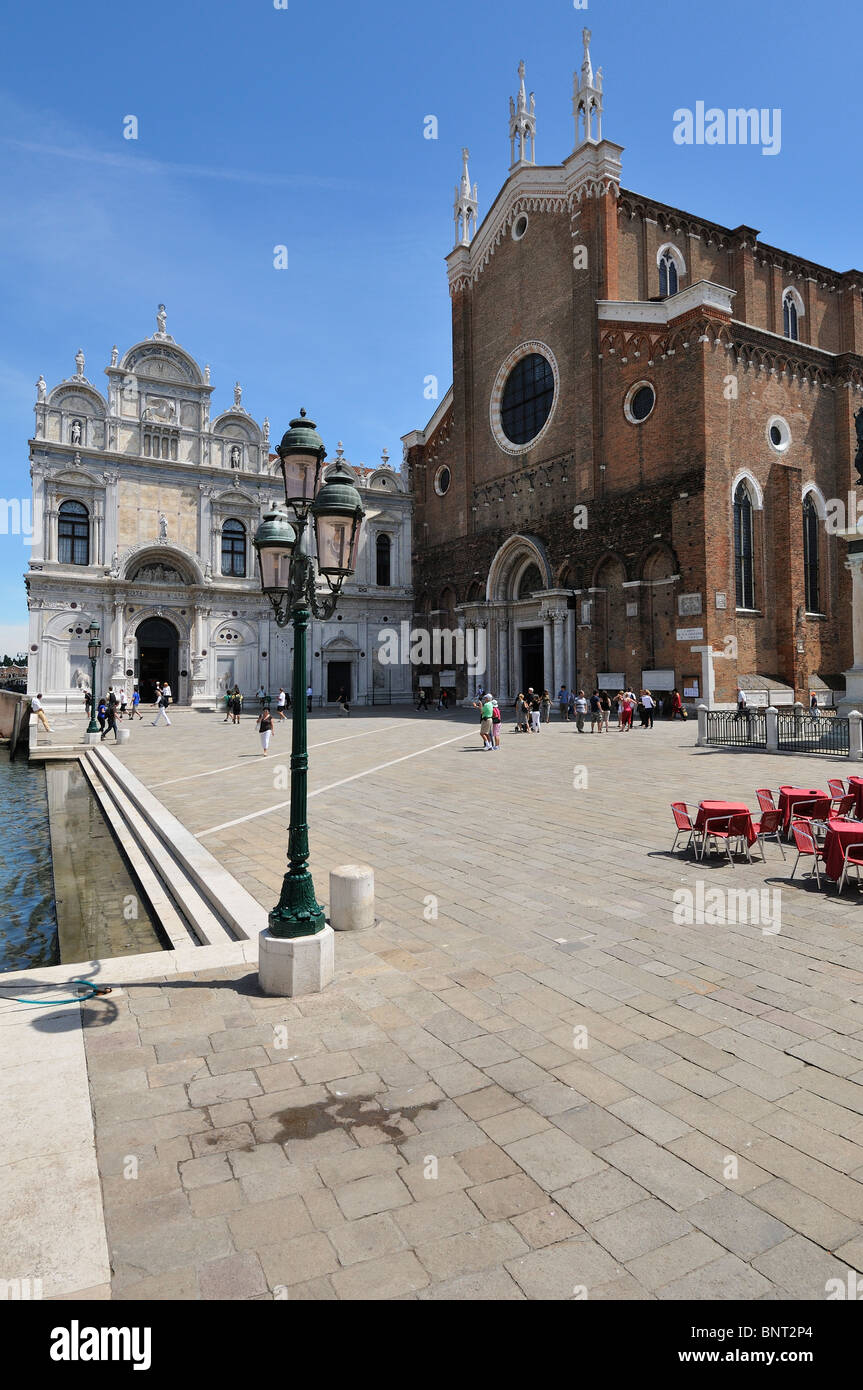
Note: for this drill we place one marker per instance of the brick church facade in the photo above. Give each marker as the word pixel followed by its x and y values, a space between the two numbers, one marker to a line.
pixel 650 414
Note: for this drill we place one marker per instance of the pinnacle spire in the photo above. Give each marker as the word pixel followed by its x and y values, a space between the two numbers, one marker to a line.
pixel 522 125
pixel 587 99
pixel 465 209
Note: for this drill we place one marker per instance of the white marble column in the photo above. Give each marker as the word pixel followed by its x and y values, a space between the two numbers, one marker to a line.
pixel 547 649
pixel 559 621
pixel 503 690
pixel 569 675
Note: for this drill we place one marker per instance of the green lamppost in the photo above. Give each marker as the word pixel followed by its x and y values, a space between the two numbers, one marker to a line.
pixel 289 578
pixel 93 648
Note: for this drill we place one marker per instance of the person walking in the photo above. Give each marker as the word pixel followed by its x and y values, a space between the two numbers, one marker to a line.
pixel 626 708
pixel 167 693
pixel 570 706
pixel 676 705
pixel 162 712
pixel 563 703
pixel 236 704
pixel 228 697
pixel 545 707
pixel 309 698
pixel 580 711
pixel 265 728
pixel 260 696
pixel 485 724
pixel 136 700
pixel 648 704
pixel 605 710
pixel 423 698
pixel 344 707
pixel 111 708
pixel 102 712
pixel 595 714
pixel 37 708
pixel 88 701
pixel 124 701
pixel 535 711
pixel 495 723
pixel 281 701
pixel 522 710
pixel 742 708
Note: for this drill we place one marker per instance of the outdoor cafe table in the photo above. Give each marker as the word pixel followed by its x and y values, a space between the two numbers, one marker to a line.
pixel 840 834
pixel 723 811
pixel 789 795
pixel 855 786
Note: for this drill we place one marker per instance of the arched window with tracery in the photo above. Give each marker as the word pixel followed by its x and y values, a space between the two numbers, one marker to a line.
pixel 811 555
pixel 234 548
pixel 744 550
pixel 790 316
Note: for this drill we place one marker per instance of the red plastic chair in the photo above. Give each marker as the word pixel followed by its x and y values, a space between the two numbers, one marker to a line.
pixel 684 823
pixel 727 829
pixel 765 799
pixel 853 855
pixel 844 807
pixel 817 811
pixel 769 827
pixel 837 788
pixel 807 848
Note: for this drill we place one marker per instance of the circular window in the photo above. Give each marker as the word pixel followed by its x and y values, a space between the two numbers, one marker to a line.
pixel 524 397
pixel 519 226
pixel 639 403
pixel 778 434
pixel 442 480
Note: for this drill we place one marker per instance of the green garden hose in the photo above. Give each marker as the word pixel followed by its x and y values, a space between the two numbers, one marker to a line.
pixel 79 999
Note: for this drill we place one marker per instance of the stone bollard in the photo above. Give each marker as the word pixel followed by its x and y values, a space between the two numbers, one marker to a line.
pixel 772 719
pixel 123 735
pixel 352 897
pixel 701 741
pixel 855 735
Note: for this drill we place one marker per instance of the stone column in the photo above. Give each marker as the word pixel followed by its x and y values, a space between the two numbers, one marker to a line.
pixel 469 649
pixel 854 677
pixel 547 648
pixel 559 619
pixel 570 673
pixel 503 690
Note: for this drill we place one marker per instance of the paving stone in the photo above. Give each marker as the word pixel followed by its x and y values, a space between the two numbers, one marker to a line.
pixel 214 1090
pixel 174 1246
pixel 804 1214
pixel 442 1143
pixel 299 1260
pixel 265 1223
pixel 554 1160
pixel 487 1246
pixel 450 1177
pixel 174 1286
pixel 212 1141
pixel 721 1280
pixel 486 1286
pixel 639 1229
pixel 216 1200
pixel 592 1126
pixel 800 1269
pixel 546 1225
pixel 506 1197
pixel 358 1163
pixel 201 1172
pixel 552 1098
pixel 852 1253
pixel 366 1196
pixel 482 1105
pixel 382 1279
pixel 486 1163
pixel 674 1182
pixel 649 1119
pixel 486 1050
pixel 367 1239
pixel 675 1260
pixel 514 1124
pixel 236 1276
pixel 599 1195
pixel 449 1214
pixel 280 1182
pixel 560 1271
pixel 517 1076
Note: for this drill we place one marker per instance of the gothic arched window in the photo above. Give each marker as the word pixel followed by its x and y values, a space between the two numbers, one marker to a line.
pixel 234 549
pixel 73 534
pixel 790 316
pixel 383 550
pixel 744 575
pixel 668 278
pixel 810 555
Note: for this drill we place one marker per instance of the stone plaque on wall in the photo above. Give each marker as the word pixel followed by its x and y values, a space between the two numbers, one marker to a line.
pixel 632 610
pixel 721 600
pixel 689 605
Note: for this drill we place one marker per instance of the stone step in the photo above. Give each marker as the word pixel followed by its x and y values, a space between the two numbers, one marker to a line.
pixel 242 915
pixel 181 892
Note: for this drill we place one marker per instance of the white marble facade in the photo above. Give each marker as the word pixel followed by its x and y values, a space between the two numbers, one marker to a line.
pixel 137 494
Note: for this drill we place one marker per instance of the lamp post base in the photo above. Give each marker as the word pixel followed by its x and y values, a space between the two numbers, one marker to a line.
pixel 291 965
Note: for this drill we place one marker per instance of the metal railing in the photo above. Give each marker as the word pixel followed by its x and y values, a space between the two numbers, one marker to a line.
pixel 806 733
pixel 748 730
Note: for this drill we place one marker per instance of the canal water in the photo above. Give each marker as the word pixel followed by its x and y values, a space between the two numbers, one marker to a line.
pixel 66 891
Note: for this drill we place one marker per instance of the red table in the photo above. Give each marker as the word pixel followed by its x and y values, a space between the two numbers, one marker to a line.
pixel 713 810
pixel 840 834
pixel 855 785
pixel 788 796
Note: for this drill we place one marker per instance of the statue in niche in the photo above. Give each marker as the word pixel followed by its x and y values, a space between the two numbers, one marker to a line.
pixel 79 362
pixel 858 458
pixel 235 456
pixel 267 431
pixel 115 355
pixel 163 529
pixel 41 388
pixel 115 565
pixel 76 431
pixel 208 573
pixel 162 320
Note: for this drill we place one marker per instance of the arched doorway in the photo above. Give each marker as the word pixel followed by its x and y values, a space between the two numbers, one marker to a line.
pixel 158 656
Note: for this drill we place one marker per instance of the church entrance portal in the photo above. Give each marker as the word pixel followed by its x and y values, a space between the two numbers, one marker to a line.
pixel 158 657
pixel 532 659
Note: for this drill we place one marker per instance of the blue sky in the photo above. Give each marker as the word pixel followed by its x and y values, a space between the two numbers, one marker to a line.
pixel 303 127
